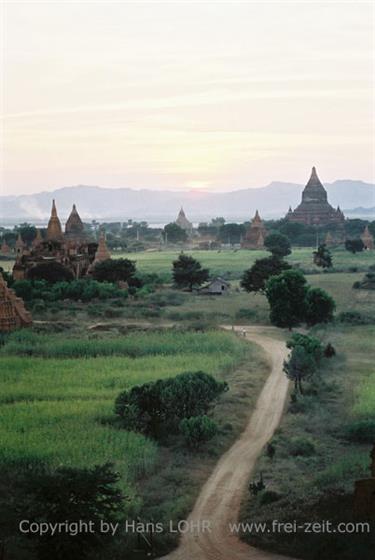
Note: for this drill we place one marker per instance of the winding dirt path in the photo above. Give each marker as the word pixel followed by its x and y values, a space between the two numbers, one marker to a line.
pixel 220 498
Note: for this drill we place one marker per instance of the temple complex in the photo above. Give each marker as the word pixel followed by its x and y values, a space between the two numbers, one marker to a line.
pixel 368 239
pixel 183 222
pixel 72 249
pixel 315 208
pixel 13 314
pixel 255 235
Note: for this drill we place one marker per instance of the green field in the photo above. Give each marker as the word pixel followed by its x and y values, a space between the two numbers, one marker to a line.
pixel 232 263
pixel 58 411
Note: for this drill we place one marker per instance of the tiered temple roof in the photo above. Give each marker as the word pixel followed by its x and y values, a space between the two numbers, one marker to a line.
pixel 315 208
pixel 255 235
pixel 74 228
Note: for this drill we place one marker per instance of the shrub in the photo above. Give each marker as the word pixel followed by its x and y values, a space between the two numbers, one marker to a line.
pixel 300 446
pixel 360 431
pixel 353 318
pixel 244 313
pixel 160 405
pixel 196 430
pixel 269 497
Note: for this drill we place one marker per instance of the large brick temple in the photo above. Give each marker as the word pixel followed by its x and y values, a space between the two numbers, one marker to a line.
pixel 315 208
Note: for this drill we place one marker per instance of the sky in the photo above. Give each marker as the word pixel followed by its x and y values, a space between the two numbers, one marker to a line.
pixel 185 95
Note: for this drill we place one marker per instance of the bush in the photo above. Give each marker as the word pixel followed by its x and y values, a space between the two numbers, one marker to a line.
pixel 159 405
pixel 244 313
pixel 353 318
pixel 301 447
pixel 269 497
pixel 196 430
pixel 360 431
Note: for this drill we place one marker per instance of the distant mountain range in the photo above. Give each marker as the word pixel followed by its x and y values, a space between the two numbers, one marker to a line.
pixel 356 198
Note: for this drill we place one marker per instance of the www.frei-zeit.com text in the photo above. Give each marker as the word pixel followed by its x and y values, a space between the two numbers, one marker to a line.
pixel 74 528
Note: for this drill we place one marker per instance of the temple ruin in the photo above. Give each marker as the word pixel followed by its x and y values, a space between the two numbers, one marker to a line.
pixel 183 222
pixel 368 239
pixel 255 235
pixel 315 208
pixel 13 314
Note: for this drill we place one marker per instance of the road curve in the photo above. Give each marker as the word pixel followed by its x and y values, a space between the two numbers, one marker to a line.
pixel 220 498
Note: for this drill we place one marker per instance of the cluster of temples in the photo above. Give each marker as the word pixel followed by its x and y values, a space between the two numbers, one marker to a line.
pixel 72 249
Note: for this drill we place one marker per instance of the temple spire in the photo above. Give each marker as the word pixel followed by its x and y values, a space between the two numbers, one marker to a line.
pixel 54 231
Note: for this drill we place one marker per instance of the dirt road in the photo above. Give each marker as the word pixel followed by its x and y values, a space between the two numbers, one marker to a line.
pixel 220 498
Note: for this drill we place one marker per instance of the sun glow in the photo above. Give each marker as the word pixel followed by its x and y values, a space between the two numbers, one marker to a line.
pixel 198 185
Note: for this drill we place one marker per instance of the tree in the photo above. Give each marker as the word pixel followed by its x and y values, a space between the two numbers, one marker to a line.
pixel 174 233
pixel 319 306
pixel 254 279
pixel 354 245
pixel 51 272
pixel 188 272
pixel 71 494
pixel 278 244
pixel 114 270
pixel 27 232
pixel 286 295
pixel 231 233
pixel 197 430
pixel 311 344
pixel 299 366
pixel 322 256
pixel 160 405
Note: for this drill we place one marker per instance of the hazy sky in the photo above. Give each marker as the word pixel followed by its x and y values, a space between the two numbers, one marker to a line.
pixel 213 95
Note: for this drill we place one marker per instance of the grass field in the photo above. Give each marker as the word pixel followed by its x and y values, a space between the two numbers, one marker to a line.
pixel 57 411
pixel 232 263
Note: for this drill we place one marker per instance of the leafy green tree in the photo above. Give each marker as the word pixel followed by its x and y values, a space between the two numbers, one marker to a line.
pixel 254 279
pixel 286 295
pixel 322 256
pixel 278 244
pixel 188 272
pixel 354 245
pixel 71 495
pixel 114 270
pixel 319 306
pixel 231 233
pixel 173 233
pixel 311 344
pixel 299 366
pixel 197 430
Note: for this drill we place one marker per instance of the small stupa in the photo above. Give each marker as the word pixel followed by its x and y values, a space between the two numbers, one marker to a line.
pixel 102 252
pixel 368 239
pixel 37 239
pixel 255 235
pixel 183 222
